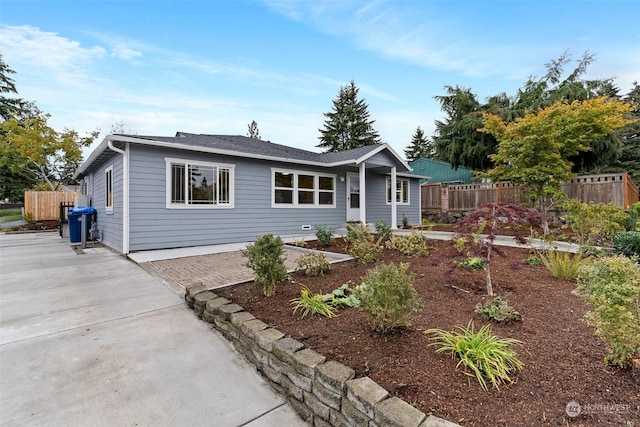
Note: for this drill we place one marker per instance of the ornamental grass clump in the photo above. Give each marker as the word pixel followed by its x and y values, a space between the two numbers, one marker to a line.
pixel 612 286
pixel 563 265
pixel 388 297
pixel 324 305
pixel 487 356
pixel 310 303
pixel 266 259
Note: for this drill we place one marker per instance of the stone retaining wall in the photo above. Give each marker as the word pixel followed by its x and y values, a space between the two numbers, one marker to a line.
pixel 322 392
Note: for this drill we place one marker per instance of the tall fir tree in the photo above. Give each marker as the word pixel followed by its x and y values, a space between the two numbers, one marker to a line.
pixel 458 141
pixel 420 147
pixel 348 125
pixel 253 131
pixel 629 160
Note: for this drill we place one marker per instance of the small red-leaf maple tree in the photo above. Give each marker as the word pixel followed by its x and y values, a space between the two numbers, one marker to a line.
pixel 480 228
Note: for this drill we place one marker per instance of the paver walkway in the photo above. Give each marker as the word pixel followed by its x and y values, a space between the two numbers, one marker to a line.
pixel 213 270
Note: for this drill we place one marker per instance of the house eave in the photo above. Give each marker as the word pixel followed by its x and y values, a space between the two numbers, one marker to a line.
pixel 104 145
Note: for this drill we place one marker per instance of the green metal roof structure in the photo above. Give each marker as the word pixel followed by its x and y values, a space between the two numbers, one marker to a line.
pixel 441 171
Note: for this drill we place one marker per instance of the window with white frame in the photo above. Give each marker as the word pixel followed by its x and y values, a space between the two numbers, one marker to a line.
pixel 108 185
pixel 401 192
pixel 192 184
pixel 292 188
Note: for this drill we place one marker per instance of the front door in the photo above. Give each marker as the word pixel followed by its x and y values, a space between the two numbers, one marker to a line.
pixel 353 197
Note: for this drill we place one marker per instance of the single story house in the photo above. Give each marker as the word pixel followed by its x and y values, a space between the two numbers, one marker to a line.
pixel 155 192
pixel 441 171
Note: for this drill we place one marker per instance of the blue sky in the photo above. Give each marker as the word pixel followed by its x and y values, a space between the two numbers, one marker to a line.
pixel 162 66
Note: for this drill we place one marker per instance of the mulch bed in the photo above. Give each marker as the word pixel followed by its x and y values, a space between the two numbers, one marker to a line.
pixel 563 358
pixel 37 225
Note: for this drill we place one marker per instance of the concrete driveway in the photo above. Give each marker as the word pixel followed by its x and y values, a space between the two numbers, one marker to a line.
pixel 93 339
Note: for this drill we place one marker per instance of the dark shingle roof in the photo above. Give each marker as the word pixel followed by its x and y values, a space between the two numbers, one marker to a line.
pixel 241 146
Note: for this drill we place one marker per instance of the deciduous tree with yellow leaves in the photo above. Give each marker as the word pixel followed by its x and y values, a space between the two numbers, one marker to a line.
pixel 534 150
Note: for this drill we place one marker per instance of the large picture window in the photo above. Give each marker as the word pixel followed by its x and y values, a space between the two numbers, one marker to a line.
pixel 401 191
pixel 302 189
pixel 108 185
pixel 199 184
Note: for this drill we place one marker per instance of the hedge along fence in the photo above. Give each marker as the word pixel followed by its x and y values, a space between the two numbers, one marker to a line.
pixel 608 188
pixel 45 205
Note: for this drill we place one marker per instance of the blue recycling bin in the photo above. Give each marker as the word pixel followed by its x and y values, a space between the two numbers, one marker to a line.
pixel 75 222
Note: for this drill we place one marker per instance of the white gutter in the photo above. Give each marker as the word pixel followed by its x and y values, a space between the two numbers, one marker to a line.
pixel 125 192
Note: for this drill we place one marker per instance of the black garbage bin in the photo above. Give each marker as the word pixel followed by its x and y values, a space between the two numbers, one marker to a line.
pixel 75 222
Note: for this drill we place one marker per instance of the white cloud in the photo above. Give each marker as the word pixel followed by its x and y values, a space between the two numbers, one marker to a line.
pixel 27 48
pixel 120 51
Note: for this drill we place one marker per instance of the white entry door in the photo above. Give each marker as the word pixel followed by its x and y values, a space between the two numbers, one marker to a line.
pixel 353 197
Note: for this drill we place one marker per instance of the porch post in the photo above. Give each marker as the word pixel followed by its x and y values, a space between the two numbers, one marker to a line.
pixel 394 204
pixel 363 199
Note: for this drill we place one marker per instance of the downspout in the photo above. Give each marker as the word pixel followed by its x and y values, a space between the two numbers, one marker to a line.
pixel 363 195
pixel 394 202
pixel 125 193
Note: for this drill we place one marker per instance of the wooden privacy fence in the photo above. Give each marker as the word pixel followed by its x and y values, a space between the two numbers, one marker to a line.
pixel 45 205
pixel 608 188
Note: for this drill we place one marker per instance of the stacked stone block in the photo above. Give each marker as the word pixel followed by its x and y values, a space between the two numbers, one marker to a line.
pixel 322 392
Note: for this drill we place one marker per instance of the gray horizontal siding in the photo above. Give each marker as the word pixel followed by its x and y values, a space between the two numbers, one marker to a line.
pixel 110 225
pixel 154 226
pixel 376 199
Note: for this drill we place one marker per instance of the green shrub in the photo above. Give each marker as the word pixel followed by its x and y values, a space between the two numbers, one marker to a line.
pixel 414 244
pixel 310 303
pixel 361 244
pixel 627 244
pixel 563 265
pixel 593 224
pixel 388 297
pixel 405 221
pixel 338 297
pixel 532 260
pixel 473 263
pixel 488 356
pixel 630 223
pixel 313 264
pixel 383 230
pixel 266 259
pixel 612 286
pixel 498 310
pixel 324 234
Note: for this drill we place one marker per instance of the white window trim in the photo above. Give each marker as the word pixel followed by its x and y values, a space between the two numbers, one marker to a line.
pixel 171 160
pixel 394 191
pixel 295 189
pixel 108 172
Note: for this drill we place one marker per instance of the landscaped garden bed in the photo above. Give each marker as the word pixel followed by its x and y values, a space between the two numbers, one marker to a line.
pixel 563 359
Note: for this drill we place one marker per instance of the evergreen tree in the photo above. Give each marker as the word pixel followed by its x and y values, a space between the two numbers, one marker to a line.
pixel 629 160
pixel 458 141
pixel 12 107
pixel 253 130
pixel 420 146
pixel 348 125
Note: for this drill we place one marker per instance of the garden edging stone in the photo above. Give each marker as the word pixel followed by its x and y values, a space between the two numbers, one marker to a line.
pixel 322 392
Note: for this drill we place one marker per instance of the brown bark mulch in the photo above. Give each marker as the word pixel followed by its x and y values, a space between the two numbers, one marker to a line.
pixel 563 359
